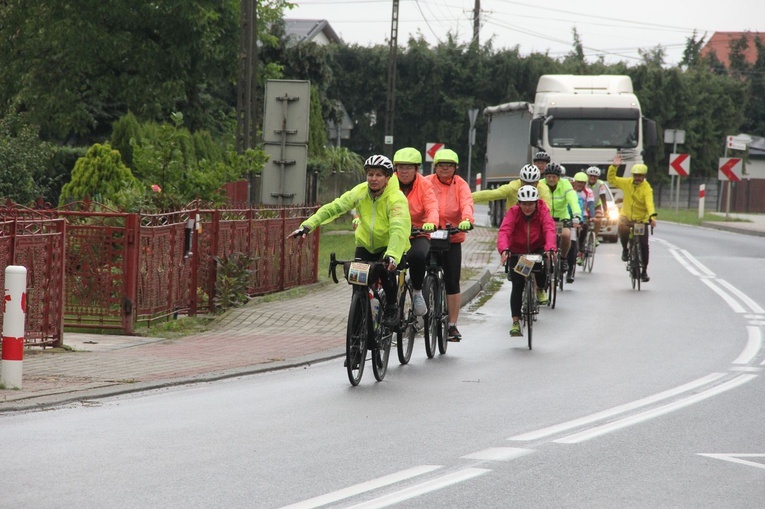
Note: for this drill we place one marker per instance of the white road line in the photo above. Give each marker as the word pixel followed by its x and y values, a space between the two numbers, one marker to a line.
pixel 697 263
pixel 558 428
pixel 741 295
pixel 735 306
pixel 363 487
pixel 753 345
pixel 684 263
pixel 421 489
pixel 736 458
pixel 746 369
pixel 656 412
pixel 498 454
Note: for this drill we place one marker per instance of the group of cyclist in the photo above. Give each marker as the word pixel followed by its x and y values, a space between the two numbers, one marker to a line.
pixel 396 208
pixel 529 226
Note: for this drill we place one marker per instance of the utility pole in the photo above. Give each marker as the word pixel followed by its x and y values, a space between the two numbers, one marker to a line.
pixel 246 111
pixel 390 106
pixel 476 23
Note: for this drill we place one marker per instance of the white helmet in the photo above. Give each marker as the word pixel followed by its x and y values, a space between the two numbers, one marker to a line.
pixel 593 171
pixel 562 170
pixel 530 173
pixel 528 193
pixel 379 161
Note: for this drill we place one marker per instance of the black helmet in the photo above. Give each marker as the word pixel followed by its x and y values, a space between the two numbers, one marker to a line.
pixel 553 169
pixel 542 156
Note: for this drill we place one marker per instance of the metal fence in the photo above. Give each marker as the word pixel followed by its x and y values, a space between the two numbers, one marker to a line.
pixel 112 270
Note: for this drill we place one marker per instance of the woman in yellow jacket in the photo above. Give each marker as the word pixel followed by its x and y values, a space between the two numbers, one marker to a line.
pixel 636 207
pixel 384 222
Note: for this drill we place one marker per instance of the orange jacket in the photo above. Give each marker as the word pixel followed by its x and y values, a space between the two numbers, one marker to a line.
pixel 455 203
pixel 423 206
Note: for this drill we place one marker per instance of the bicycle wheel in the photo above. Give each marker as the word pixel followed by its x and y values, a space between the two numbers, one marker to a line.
pixel 356 337
pixel 431 323
pixel 638 264
pixel 552 285
pixel 443 316
pixel 633 265
pixel 589 252
pixel 380 344
pixel 529 299
pixel 559 275
pixel 405 334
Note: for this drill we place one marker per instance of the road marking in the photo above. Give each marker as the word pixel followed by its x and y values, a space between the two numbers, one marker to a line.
pixel 741 295
pixel 747 369
pixel 697 263
pixel 656 412
pixel 736 458
pixel 684 263
pixel 498 454
pixel 735 306
pixel 753 345
pixel 363 487
pixel 421 489
pixel 558 428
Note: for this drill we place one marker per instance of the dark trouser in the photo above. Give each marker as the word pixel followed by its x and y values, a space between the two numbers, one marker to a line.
pixel 387 280
pixel 624 237
pixel 452 265
pixel 516 293
pixel 416 258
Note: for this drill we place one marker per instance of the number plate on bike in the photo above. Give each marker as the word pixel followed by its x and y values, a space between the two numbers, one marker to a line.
pixel 358 273
pixel 526 264
pixel 558 227
pixel 638 229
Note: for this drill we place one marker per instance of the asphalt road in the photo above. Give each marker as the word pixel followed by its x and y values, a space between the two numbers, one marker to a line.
pixel 628 399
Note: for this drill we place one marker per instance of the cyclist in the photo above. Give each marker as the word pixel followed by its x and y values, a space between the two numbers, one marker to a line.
pixel 423 209
pixel 565 205
pixel 455 206
pixel 541 160
pixel 526 228
pixel 601 199
pixel 587 204
pixel 529 175
pixel 384 223
pixel 637 207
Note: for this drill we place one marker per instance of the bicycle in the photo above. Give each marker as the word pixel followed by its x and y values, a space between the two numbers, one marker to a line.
pixel 555 275
pixel 588 250
pixel 434 291
pixel 407 320
pixel 366 329
pixel 527 265
pixel 635 256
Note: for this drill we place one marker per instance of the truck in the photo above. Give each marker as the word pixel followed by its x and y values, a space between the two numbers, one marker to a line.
pixel 580 121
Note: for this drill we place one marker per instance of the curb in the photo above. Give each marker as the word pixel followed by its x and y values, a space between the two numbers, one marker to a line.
pixel 733 228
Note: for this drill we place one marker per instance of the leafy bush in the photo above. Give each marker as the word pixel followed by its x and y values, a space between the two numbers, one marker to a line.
pixel 231 282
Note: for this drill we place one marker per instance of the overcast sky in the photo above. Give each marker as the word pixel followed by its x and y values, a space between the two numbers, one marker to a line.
pixel 614 29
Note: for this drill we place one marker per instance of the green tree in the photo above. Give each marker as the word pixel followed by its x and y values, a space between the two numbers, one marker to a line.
pixel 100 175
pixel 23 160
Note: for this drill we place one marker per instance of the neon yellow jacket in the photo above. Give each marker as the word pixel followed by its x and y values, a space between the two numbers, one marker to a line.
pixel 384 221
pixel 638 199
pixel 565 202
pixel 509 192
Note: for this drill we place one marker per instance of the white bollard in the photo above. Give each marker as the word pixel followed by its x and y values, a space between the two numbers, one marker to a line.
pixel 14 318
pixel 478 181
pixel 702 195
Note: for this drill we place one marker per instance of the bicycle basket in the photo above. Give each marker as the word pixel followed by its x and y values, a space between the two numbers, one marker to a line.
pixel 439 240
pixel 358 273
pixel 638 229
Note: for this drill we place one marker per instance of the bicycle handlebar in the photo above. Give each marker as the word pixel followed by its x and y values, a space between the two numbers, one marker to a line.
pixel 334 262
pixel 451 229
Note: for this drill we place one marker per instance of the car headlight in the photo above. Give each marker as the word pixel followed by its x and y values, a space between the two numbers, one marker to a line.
pixel 613 213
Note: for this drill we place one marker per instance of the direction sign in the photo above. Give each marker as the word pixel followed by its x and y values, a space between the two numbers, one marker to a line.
pixel 431 149
pixel 730 169
pixel 680 164
pixel 738 142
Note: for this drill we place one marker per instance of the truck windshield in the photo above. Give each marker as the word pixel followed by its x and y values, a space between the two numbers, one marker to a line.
pixel 593 132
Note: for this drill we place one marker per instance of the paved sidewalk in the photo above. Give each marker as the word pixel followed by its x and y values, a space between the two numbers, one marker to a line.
pixel 254 338
pixel 750 224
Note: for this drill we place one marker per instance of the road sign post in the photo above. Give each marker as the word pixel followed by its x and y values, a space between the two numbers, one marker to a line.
pixel 430 152
pixel 472 115
pixel 674 136
pixel 680 165
pixel 730 171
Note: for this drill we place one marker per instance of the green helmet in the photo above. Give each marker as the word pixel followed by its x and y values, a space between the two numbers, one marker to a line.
pixel 639 169
pixel 407 155
pixel 446 155
pixel 580 177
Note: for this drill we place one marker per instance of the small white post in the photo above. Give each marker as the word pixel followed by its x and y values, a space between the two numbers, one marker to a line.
pixel 702 196
pixel 14 318
pixel 478 177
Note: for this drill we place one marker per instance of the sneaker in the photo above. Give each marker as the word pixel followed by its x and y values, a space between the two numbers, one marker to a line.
pixel 564 266
pixel 644 277
pixel 569 278
pixel 418 302
pixel 579 259
pixel 597 242
pixel 542 296
pixel 625 255
pixel 454 335
pixel 515 330
pixel 390 318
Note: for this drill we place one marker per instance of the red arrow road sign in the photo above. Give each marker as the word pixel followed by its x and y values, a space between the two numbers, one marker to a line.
pixel 431 149
pixel 679 164
pixel 730 169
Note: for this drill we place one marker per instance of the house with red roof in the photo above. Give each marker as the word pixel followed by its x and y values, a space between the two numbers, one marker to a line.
pixel 720 43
